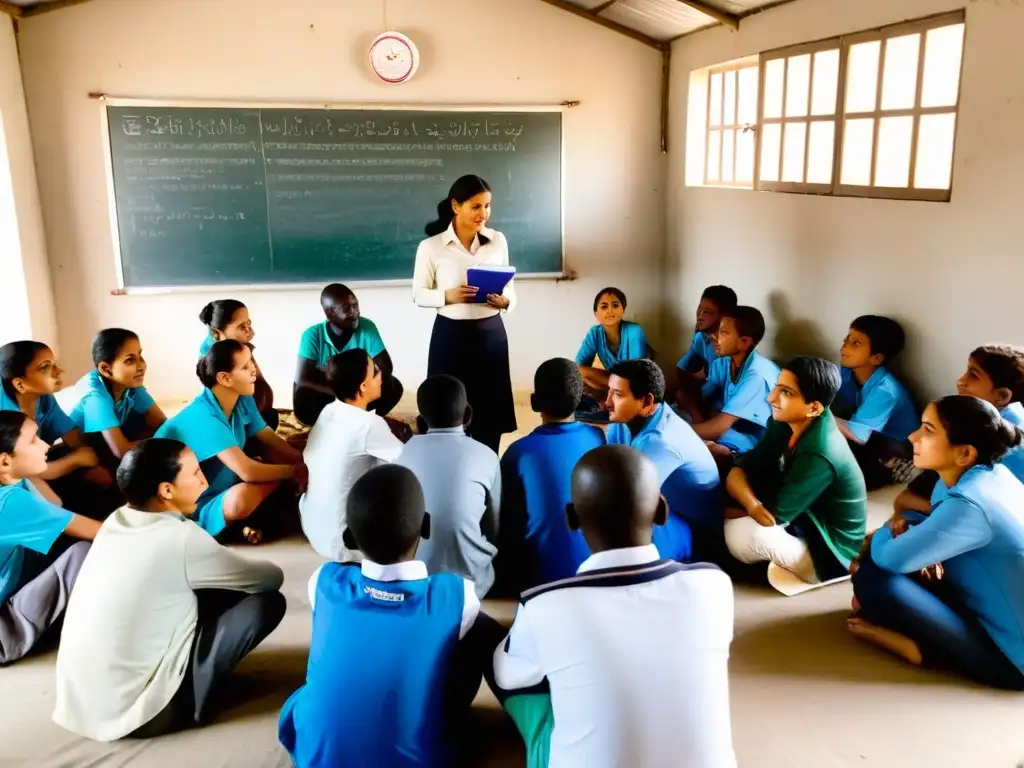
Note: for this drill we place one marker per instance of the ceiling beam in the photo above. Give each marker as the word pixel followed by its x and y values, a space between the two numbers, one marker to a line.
pixel 583 13
pixel 722 17
pixel 603 6
pixel 36 10
pixel 11 10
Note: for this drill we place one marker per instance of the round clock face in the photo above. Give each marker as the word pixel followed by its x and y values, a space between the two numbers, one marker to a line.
pixel 394 57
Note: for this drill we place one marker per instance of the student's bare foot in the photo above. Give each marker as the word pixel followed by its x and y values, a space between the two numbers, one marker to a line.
pixel 252 536
pixel 886 639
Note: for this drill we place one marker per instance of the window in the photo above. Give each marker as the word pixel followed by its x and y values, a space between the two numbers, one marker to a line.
pixel 732 120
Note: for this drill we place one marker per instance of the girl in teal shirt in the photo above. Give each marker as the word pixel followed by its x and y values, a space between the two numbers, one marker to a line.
pixel 216 426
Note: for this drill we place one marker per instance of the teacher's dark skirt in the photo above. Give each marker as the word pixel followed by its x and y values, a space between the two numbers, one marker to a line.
pixel 476 353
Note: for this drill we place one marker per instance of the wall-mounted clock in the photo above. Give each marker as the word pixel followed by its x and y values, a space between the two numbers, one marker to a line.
pixel 394 58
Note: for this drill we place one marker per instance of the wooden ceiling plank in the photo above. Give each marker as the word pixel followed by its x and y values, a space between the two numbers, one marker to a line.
pixel 11 10
pixel 715 13
pixel 57 5
pixel 583 13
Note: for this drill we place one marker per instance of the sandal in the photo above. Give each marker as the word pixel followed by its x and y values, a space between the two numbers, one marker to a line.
pixel 252 536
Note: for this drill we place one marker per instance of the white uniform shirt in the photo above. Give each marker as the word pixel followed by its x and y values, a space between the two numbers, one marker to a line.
pixel 442 262
pixel 634 651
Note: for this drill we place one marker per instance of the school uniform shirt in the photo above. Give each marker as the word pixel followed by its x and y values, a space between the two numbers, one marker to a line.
pixel 700 355
pixel 1014 460
pixel 317 345
pixel 976 530
pixel 95 409
pixel 442 263
pixel 203 427
pixel 378 664
pixel 819 480
pixel 746 398
pixel 882 405
pixel 536 476
pixel 461 481
pixel 27 522
pixel 132 617
pixel 50 418
pixel 632 346
pixel 345 443
pixel 633 653
pixel 687 471
pixel 204 347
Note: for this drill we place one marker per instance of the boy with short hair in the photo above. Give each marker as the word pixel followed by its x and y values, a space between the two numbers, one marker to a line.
pixel 798 497
pixel 625 664
pixel 874 410
pixel 535 545
pixel 686 469
pixel 714 302
pixel 735 396
pixel 461 481
pixel 396 655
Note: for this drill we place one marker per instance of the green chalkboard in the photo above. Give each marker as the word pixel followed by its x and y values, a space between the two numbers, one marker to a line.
pixel 246 196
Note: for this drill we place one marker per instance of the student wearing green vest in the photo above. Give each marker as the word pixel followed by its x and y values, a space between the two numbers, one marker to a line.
pixel 342 330
pixel 799 500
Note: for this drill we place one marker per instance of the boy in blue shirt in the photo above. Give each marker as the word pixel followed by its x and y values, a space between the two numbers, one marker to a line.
pixel 342 330
pixel 874 411
pixel 694 365
pixel 396 656
pixel 535 545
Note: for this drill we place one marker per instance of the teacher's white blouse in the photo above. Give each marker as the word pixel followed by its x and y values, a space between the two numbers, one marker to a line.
pixel 441 264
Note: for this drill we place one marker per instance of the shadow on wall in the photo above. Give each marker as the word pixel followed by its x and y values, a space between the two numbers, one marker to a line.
pixel 796 335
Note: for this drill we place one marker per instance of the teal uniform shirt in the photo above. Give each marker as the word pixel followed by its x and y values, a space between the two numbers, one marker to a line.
pixel 96 409
pixel 746 398
pixel 317 345
pixel 53 423
pixel 632 346
pixel 27 522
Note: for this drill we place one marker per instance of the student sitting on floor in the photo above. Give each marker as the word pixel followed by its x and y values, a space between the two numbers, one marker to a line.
pixel 627 663
pixel 397 655
pixel 348 440
pixel 161 613
pixel 878 412
pixel 342 330
pixel 612 341
pixel 686 469
pixel 37 573
pixel 799 497
pixel 229 319
pixel 735 396
pixel 216 426
pixel 994 374
pixel 461 481
pixel 30 377
pixel 947 590
pixel 112 407
pixel 692 369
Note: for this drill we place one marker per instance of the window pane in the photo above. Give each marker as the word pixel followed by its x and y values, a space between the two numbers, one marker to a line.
pixel 745 157
pixel 935 151
pixel 892 165
pixel 862 77
pixel 793 152
pixel 715 104
pixel 774 74
pixel 826 83
pixel 747 112
pixel 942 54
pixel 730 99
pixel 899 82
pixel 798 85
pixel 728 141
pixel 714 154
pixel 819 152
pixel 771 139
pixel 858 139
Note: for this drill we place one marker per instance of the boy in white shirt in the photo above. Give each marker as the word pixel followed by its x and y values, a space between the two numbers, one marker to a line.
pixel 624 664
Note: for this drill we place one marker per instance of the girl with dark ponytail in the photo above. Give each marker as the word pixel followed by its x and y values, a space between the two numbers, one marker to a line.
pixel 948 589
pixel 220 425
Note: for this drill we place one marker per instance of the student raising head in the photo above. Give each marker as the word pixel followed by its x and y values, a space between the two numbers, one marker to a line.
pixel 611 341
pixel 714 303
pixel 973 541
pixel 217 425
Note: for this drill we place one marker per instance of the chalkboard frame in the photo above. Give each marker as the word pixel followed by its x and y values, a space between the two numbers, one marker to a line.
pixel 105 101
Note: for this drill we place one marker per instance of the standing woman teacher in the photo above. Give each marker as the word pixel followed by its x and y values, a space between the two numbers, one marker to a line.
pixel 468 340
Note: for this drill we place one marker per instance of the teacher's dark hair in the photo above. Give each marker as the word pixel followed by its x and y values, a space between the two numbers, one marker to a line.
pixel 219 358
pixel 971 421
pixel 462 190
pixel 15 359
pixel 146 466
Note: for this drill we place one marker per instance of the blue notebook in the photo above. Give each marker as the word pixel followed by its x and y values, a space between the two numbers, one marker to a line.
pixel 489 279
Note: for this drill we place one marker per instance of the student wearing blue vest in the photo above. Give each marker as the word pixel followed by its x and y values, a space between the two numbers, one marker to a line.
pixel 692 369
pixel 343 329
pixel 229 319
pixel 216 425
pixel 947 590
pixel 686 469
pixel 734 411
pixel 37 573
pixel 535 546
pixel 873 409
pixel 611 341
pixel 397 655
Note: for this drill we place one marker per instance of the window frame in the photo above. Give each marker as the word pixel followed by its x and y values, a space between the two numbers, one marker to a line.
pixel 722 127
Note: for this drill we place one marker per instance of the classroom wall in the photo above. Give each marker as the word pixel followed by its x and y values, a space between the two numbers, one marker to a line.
pixel 25 293
pixel 951 272
pixel 501 51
